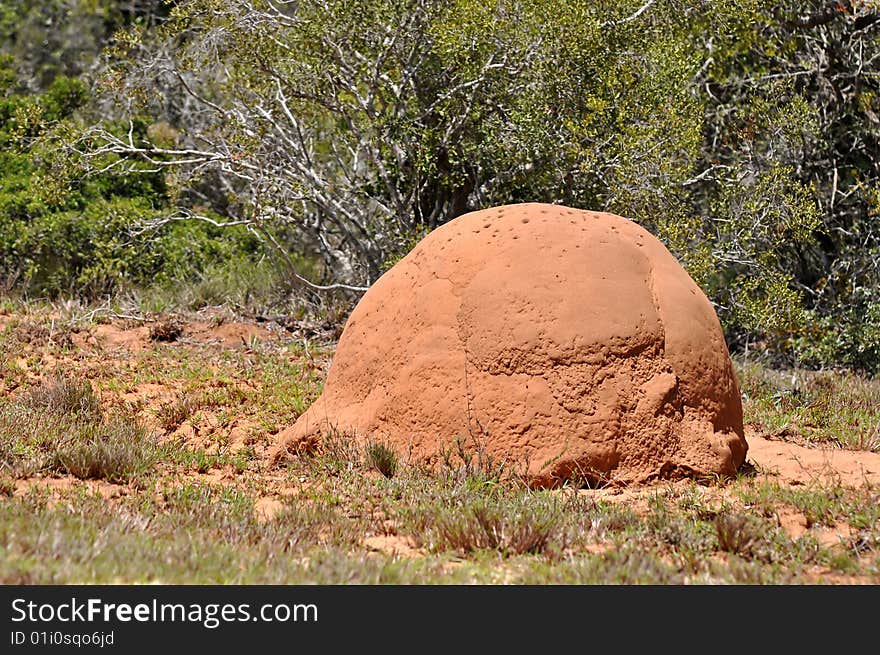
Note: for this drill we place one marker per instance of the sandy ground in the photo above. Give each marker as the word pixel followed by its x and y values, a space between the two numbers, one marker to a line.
pixel 792 464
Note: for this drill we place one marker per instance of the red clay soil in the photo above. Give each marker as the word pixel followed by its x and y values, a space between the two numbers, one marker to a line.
pixel 790 463
pixel 565 342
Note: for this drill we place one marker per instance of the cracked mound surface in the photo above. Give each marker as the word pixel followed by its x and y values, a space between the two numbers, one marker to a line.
pixel 563 342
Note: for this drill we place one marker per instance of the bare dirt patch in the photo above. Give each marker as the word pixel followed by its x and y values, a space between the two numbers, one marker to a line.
pixel 393 545
pixel 213 361
pixel 229 335
pixel 796 464
pixel 60 486
pixel 116 337
pixel 267 508
pixel 135 338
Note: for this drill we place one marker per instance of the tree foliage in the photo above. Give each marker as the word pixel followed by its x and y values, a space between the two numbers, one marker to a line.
pixel 362 124
pixel 794 94
pixel 62 234
pixel 743 133
pixel 50 38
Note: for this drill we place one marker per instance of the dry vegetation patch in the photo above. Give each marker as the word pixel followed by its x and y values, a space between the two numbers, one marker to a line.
pixel 148 460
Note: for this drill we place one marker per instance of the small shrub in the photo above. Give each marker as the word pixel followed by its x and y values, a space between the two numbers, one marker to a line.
pixel 469 459
pixel 242 459
pixel 334 453
pixel 196 458
pixel 868 439
pixel 66 397
pixel 679 530
pixel 62 427
pixel 117 450
pixel 19 455
pixel 736 534
pixel 511 526
pixel 28 332
pixel 172 414
pixel 166 329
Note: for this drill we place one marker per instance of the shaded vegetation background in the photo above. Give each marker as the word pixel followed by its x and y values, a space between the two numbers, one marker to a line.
pixel 253 149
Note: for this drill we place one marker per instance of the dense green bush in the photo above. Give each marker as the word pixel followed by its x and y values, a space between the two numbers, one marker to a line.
pixel 52 38
pixel 92 252
pixel 358 125
pixel 745 134
pixel 65 234
pixel 850 339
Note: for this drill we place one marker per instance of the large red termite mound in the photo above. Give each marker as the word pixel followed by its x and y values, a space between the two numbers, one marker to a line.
pixel 567 343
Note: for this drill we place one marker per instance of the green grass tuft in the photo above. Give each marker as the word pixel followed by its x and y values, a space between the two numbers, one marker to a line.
pixel 117 450
pixel 66 397
pixel 839 407
pixel 61 427
pixel 382 458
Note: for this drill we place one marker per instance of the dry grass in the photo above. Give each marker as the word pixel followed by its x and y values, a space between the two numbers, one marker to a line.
pixel 840 407
pixel 61 427
pixel 172 414
pixel 118 449
pixel 167 329
pixel 79 461
pixel 737 534
pixel 63 396
pixel 484 526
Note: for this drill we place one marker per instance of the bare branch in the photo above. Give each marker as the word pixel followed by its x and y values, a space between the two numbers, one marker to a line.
pixel 631 17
